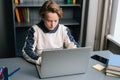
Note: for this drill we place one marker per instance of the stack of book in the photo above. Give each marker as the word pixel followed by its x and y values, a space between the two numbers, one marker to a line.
pixel 113 66
pixel 71 1
pixel 22 15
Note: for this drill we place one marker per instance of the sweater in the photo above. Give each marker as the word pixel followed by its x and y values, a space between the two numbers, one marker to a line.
pixel 40 38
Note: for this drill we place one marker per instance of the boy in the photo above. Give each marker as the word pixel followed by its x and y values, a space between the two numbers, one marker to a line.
pixel 48 34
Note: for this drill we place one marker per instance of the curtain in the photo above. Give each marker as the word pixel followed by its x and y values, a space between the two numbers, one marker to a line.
pixel 102 26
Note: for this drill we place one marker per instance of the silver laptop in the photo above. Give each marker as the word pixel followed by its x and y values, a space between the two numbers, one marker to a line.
pixel 62 62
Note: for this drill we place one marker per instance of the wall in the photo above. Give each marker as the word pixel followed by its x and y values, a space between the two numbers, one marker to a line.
pixel 92 22
pixel 6 33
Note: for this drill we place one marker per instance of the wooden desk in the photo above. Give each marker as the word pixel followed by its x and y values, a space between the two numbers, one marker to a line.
pixel 28 71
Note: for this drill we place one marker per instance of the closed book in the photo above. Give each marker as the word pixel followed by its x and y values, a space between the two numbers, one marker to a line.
pixel 27 15
pixel 112 75
pixel 69 1
pixel 114 60
pixel 21 1
pixel 74 1
pixel 21 15
pixel 16 1
pixel 115 68
pixel 17 15
pixel 113 72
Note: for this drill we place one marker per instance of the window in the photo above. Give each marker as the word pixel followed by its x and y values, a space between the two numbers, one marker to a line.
pixel 114 35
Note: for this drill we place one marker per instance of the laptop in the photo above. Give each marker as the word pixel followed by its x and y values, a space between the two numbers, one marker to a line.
pixel 64 62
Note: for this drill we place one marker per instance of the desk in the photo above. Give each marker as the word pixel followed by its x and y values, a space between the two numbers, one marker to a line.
pixel 28 71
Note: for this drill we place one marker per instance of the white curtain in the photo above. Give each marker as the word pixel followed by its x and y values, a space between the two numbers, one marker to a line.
pixel 102 26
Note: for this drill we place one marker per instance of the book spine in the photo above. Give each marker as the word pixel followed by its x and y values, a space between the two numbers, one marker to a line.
pixel 21 1
pixel 74 1
pixel 69 1
pixel 26 10
pixel 113 72
pixel 17 15
pixel 113 68
pixel 28 15
pixel 112 75
pixel 23 14
pixel 16 1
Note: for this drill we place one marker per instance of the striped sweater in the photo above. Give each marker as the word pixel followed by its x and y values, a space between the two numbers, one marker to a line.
pixel 39 38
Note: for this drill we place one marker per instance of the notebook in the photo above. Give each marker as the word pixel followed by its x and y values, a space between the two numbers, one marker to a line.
pixel 64 62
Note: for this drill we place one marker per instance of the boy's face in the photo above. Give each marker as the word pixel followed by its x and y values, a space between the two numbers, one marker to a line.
pixel 51 20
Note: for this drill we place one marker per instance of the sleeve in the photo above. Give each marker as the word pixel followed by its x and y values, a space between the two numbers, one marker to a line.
pixel 69 40
pixel 30 44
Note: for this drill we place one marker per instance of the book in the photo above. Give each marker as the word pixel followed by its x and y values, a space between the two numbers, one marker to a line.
pixel 21 1
pixel 113 68
pixel 17 15
pixel 21 15
pixel 73 1
pixel 117 73
pixel 27 15
pixel 114 61
pixel 16 1
pixel 69 1
pixel 112 75
pixel 113 65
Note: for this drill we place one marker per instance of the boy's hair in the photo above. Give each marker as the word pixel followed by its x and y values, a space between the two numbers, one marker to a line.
pixel 50 6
